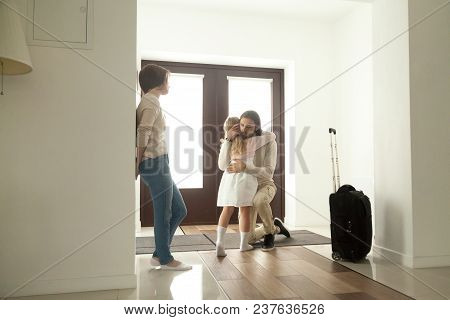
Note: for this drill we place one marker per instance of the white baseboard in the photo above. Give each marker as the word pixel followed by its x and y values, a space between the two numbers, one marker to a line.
pixel 395 256
pixel 431 261
pixel 415 262
pixel 57 286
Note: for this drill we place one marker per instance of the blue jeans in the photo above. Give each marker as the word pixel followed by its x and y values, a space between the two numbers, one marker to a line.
pixel 168 205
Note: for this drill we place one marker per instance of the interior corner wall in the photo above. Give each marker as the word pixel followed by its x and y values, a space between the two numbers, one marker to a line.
pixel 392 132
pixel 67 157
pixel 430 131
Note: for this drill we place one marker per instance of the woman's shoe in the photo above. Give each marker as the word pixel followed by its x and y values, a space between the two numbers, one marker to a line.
pixel 154 263
pixel 178 267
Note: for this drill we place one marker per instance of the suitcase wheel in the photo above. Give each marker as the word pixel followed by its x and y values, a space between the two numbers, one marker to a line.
pixel 336 256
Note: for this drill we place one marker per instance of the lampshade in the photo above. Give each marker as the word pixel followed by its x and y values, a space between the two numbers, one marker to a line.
pixel 13 49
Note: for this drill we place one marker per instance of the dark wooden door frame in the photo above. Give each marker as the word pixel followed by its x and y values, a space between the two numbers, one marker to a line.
pixel 215 94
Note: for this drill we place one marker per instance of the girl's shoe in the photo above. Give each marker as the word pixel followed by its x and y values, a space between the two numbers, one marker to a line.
pixel 220 251
pixel 244 242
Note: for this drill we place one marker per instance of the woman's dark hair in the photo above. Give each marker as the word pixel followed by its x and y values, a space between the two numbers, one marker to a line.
pixel 152 76
pixel 250 114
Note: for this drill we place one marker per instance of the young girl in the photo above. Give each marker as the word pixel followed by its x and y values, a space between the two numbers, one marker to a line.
pixel 237 189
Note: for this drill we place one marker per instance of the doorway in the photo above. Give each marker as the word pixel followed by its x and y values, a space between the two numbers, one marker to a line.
pixel 201 98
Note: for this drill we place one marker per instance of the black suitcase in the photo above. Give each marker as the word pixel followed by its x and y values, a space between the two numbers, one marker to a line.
pixel 351 217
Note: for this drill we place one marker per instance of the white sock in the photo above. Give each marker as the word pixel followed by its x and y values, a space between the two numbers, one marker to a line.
pixel 244 241
pixel 220 243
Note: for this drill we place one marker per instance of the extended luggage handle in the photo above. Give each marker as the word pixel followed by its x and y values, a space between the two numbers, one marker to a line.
pixel 336 176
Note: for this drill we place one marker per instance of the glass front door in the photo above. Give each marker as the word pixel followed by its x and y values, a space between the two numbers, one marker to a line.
pixel 201 97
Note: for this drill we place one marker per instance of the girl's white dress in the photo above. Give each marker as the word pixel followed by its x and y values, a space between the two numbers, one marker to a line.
pixel 239 189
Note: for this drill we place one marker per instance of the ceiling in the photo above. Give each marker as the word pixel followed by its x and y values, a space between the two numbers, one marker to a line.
pixel 324 10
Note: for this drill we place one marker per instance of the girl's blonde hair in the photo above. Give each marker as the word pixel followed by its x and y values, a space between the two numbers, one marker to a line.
pixel 238 144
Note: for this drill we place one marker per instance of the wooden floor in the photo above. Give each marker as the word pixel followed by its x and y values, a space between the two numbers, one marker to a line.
pixel 288 273
pixel 291 273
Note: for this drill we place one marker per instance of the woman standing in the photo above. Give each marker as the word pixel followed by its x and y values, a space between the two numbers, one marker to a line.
pixel 152 164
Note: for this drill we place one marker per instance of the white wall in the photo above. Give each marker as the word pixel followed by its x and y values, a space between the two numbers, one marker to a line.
pixel 304 48
pixel 430 131
pixel 350 106
pixel 392 132
pixel 411 112
pixel 354 98
pixel 67 163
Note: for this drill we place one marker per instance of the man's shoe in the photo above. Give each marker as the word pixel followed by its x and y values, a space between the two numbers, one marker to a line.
pixel 268 243
pixel 277 222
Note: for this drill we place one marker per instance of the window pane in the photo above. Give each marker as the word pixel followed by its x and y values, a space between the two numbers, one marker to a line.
pixel 184 122
pixel 251 94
